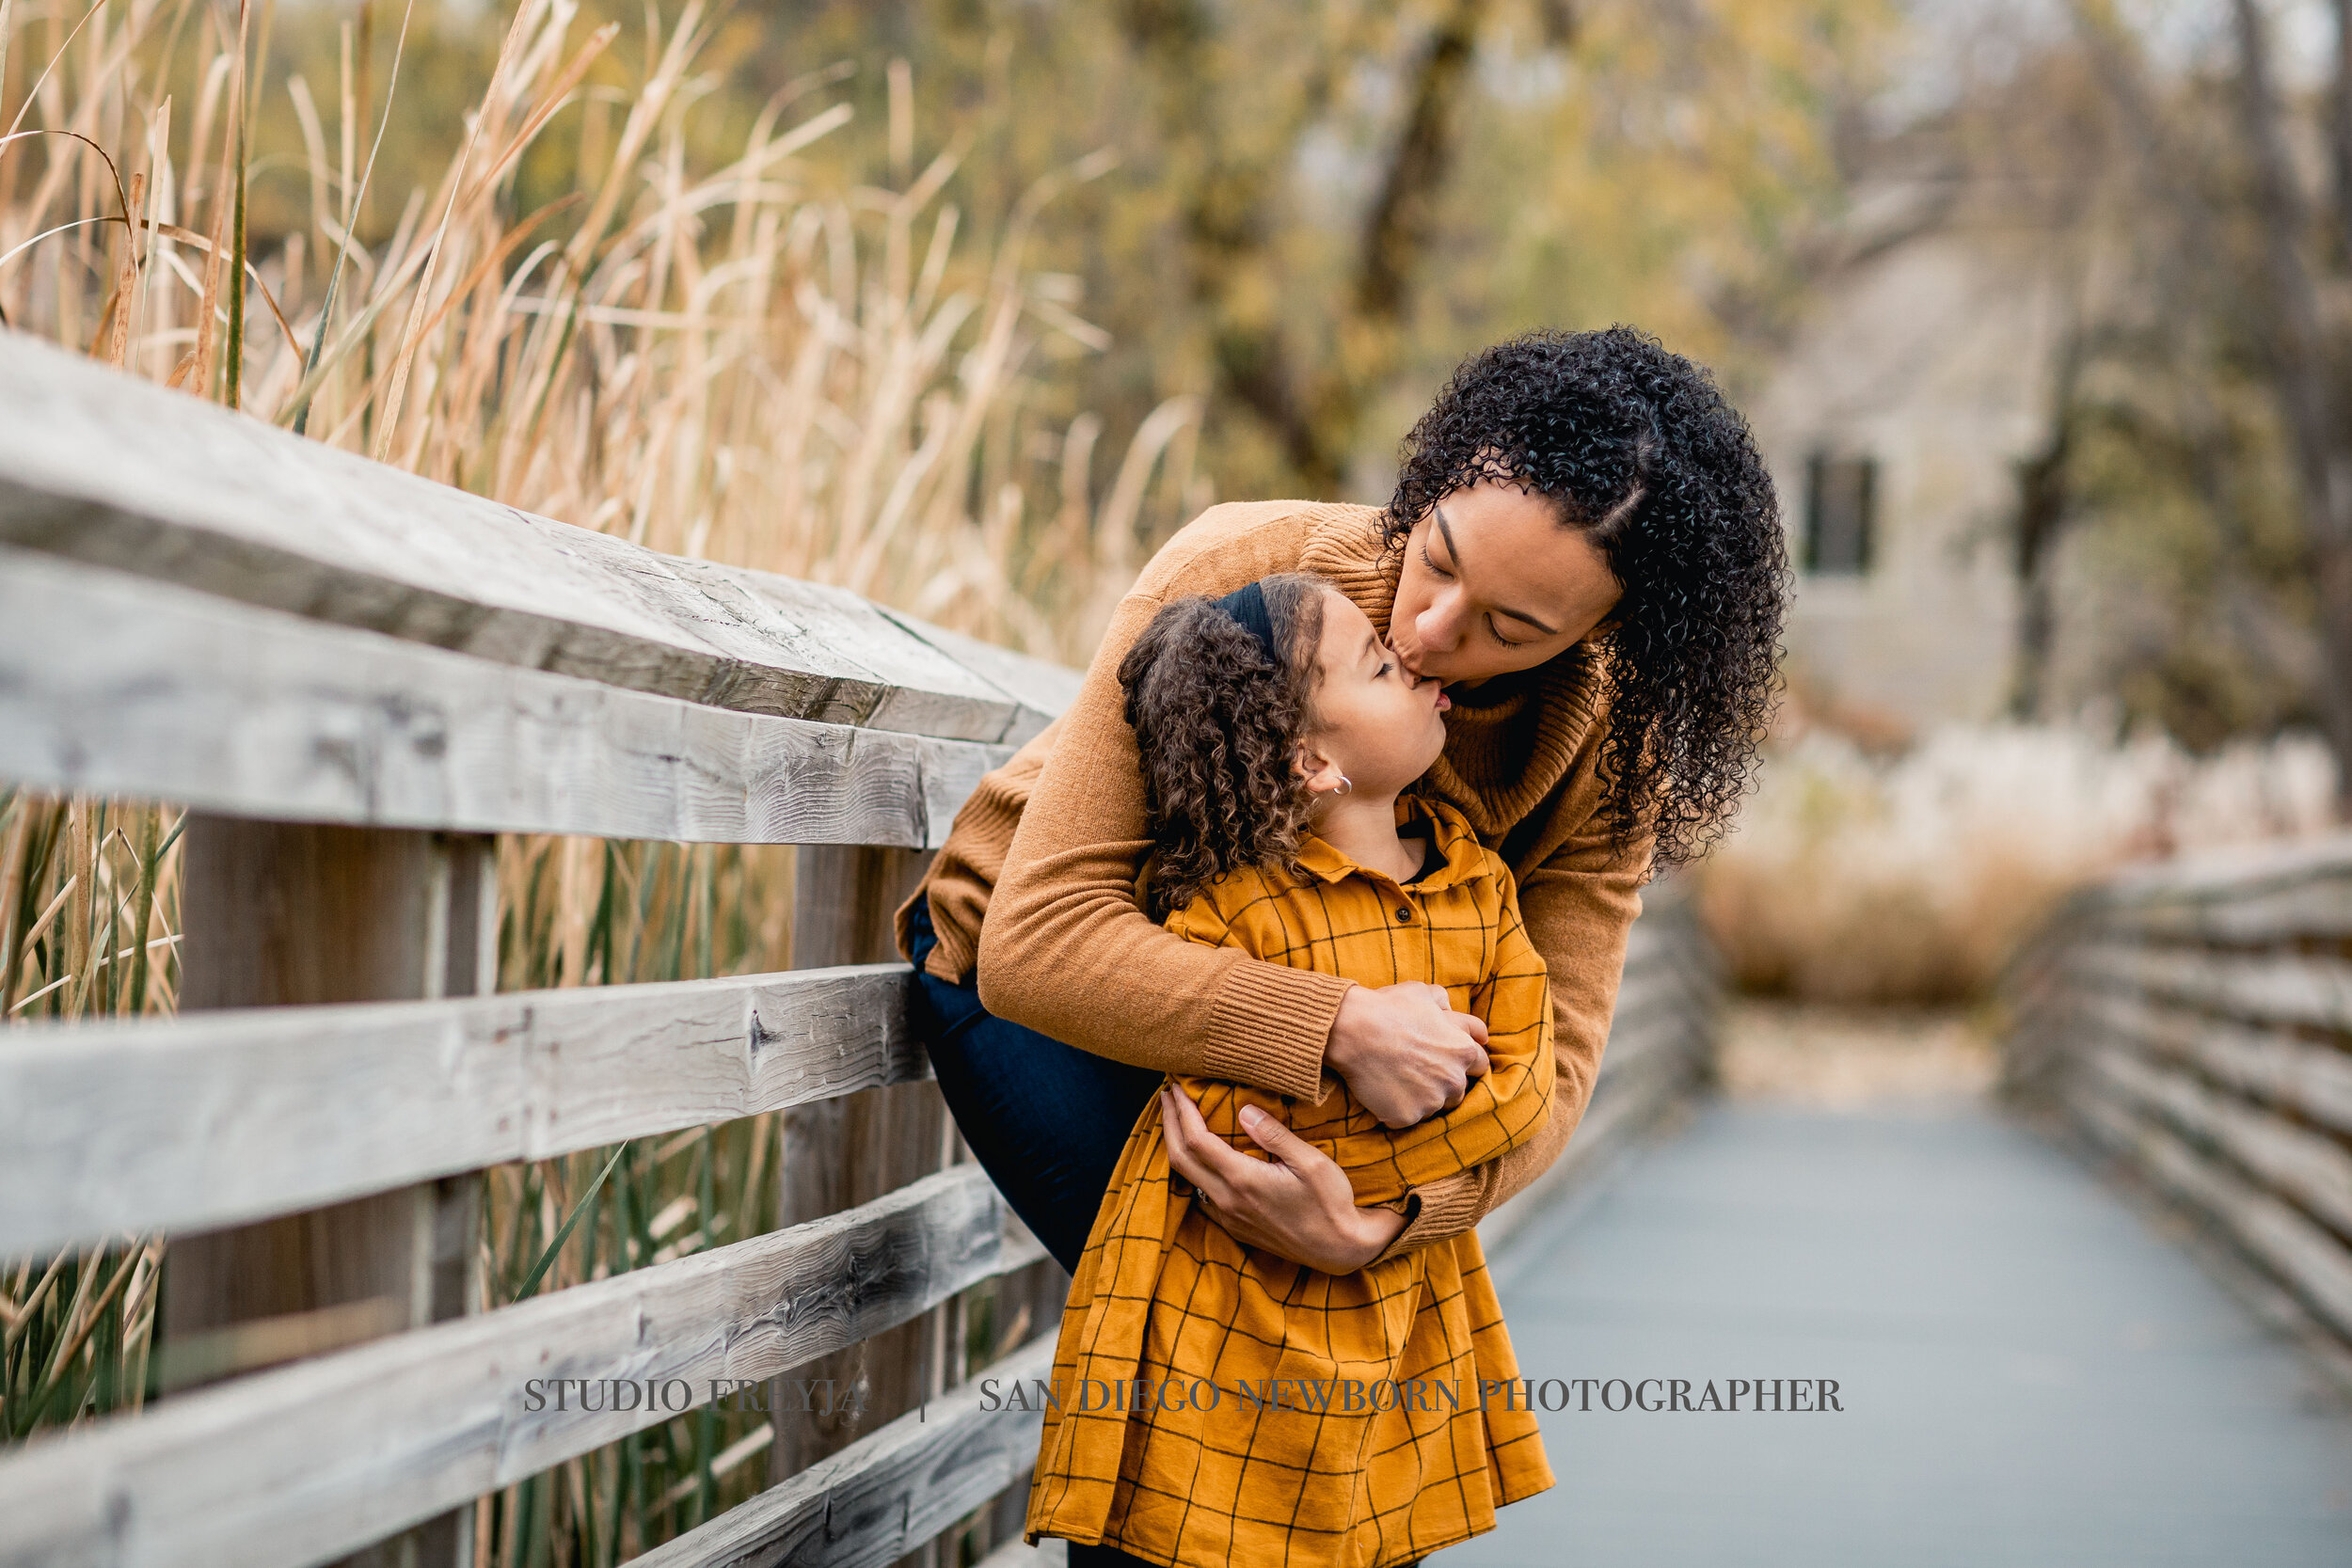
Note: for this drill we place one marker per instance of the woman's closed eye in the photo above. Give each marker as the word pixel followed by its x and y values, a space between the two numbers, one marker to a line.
pixel 1493 630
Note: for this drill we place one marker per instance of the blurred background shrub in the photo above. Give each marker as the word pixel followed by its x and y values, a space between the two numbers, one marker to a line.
pixel 1910 877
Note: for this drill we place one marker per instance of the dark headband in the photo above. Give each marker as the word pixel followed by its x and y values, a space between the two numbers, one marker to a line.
pixel 1246 605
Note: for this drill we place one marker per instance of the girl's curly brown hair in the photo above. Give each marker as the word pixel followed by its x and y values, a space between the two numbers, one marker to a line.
pixel 1218 725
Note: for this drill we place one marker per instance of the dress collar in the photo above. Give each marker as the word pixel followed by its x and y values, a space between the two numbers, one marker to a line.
pixel 1457 840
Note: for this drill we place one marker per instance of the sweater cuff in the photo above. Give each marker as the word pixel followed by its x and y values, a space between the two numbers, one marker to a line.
pixel 1269 1027
pixel 1441 1210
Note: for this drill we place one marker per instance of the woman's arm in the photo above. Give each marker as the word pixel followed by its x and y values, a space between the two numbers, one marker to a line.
pixel 1295 1203
pixel 1065 949
pixel 1577 905
pixel 1578 908
pixel 1320 1223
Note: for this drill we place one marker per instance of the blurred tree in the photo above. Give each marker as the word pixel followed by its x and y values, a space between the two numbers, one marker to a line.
pixel 2306 351
pixel 2165 561
pixel 2044 508
pixel 1312 403
pixel 1317 209
pixel 1320 208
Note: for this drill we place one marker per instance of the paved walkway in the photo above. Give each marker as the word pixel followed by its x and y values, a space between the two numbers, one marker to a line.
pixel 2031 1374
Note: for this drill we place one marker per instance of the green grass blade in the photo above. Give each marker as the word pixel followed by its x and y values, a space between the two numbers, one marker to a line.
pixel 547 1259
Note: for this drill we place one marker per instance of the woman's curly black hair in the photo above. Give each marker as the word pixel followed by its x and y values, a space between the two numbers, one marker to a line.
pixel 1218 725
pixel 1641 454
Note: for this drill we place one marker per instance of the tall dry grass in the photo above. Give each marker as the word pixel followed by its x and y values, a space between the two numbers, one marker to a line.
pixel 744 359
pixel 715 362
pixel 1870 879
pixel 88 917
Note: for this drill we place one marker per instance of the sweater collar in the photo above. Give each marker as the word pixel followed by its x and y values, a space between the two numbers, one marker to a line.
pixel 1344 544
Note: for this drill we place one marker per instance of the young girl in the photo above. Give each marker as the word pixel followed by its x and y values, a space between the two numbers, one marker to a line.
pixel 1214 1404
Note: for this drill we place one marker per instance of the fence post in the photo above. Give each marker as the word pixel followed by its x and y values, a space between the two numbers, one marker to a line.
pixel 842 1152
pixel 281 913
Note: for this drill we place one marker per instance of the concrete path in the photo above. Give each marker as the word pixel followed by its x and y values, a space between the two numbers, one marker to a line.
pixel 2031 1374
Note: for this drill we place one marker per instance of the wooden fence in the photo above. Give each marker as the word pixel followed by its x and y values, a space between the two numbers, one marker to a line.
pixel 354 678
pixel 2195 1020
pixel 1661 1048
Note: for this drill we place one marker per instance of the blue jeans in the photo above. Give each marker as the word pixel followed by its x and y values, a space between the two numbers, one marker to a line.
pixel 1045 1120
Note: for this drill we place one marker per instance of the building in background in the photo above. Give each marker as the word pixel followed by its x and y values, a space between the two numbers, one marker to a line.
pixel 1894 424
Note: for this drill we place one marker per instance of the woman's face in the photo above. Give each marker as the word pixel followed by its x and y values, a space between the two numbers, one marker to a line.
pixel 1493 582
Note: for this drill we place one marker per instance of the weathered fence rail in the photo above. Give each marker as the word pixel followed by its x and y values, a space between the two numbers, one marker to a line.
pixel 226 1115
pixel 306 1462
pixel 115 684
pixel 353 676
pixel 2197 1022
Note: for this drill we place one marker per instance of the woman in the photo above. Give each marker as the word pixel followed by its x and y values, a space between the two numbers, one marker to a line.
pixel 1585 547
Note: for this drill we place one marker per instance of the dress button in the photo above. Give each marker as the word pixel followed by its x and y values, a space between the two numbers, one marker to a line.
pixel 1404 914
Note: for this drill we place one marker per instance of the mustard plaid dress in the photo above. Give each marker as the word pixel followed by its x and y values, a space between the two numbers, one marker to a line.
pixel 1163 1292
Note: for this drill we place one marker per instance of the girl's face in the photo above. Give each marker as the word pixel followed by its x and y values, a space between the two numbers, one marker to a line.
pixel 1493 582
pixel 1373 721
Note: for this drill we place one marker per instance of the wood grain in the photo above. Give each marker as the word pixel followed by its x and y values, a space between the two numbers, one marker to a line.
pixel 2225 874
pixel 112 683
pixel 283 914
pixel 885 1495
pixel 107 470
pixel 293 1466
pixel 851 1151
pixel 2192 1019
pixel 2321 907
pixel 228 1115
pixel 1043 690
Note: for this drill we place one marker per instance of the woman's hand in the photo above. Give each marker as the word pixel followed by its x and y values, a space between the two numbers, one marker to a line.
pixel 1405 1053
pixel 1299 1206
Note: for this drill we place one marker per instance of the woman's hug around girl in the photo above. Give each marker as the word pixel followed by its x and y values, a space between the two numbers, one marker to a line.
pixel 1294 1416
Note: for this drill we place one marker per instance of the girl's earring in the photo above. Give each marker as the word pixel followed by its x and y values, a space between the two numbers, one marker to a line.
pixel 1346 784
